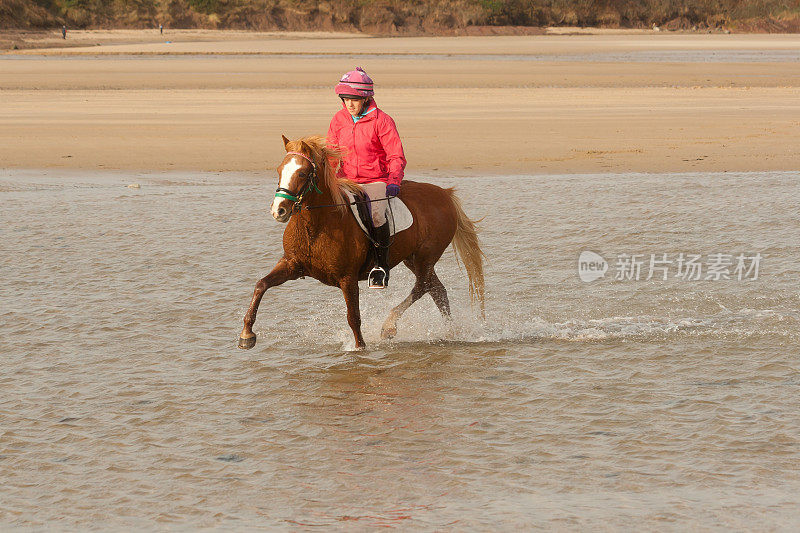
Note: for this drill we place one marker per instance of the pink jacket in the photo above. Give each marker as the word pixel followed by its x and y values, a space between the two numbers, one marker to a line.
pixel 372 145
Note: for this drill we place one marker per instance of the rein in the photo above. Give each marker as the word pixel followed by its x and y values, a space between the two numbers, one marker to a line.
pixel 354 202
pixel 366 201
pixel 311 183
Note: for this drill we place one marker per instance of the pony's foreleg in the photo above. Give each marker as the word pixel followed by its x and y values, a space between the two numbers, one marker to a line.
pixel 350 290
pixel 283 271
pixel 389 328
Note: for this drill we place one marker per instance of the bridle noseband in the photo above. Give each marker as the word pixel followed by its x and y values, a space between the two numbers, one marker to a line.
pixel 311 184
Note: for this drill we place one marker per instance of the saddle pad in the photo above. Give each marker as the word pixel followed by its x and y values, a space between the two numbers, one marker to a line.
pixel 398 215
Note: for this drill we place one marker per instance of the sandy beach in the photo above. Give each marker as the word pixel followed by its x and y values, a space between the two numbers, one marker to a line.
pixel 635 364
pixel 219 101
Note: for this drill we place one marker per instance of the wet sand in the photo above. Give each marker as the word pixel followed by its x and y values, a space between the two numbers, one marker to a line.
pixel 219 101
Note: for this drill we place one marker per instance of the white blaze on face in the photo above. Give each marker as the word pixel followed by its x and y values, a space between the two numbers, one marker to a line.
pixel 287 172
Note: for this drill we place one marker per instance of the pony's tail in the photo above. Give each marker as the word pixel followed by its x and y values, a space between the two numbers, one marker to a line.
pixel 468 247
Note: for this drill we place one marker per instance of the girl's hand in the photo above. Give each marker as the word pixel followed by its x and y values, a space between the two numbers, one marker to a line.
pixel 392 190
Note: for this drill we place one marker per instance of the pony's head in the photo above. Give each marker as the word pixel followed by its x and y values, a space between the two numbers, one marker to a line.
pixel 306 171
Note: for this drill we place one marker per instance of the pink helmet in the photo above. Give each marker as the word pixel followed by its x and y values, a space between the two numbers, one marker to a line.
pixel 355 83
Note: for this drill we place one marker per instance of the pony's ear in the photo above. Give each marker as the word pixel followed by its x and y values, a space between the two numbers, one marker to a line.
pixel 306 146
pixel 285 142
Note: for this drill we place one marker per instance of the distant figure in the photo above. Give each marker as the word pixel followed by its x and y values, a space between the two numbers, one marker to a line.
pixel 161 29
pixel 64 31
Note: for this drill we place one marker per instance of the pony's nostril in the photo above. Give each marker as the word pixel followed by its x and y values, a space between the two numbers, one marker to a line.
pixel 281 211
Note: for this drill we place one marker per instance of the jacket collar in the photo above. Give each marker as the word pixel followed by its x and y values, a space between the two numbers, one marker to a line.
pixel 367 114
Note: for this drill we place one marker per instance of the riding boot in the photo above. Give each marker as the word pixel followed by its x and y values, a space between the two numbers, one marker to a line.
pixel 379 276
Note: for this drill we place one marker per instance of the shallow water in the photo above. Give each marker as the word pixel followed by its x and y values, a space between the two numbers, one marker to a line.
pixel 124 402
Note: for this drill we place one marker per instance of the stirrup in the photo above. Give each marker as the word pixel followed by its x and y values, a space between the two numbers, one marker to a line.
pixel 378 278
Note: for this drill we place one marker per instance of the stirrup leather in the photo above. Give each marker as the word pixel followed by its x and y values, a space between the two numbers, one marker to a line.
pixel 378 278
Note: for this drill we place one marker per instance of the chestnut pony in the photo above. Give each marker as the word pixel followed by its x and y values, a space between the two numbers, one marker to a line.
pixel 323 240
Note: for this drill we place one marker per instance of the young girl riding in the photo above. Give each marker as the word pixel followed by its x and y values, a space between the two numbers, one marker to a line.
pixel 373 157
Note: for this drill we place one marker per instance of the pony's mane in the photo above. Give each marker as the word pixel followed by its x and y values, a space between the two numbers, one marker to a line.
pixel 324 156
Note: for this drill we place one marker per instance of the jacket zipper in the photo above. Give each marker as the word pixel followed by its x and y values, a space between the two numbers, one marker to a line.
pixel 355 151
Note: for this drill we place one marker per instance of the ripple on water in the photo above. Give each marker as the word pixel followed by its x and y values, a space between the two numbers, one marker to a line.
pixel 125 403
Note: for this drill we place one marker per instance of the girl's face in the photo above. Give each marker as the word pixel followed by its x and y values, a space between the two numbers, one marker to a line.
pixel 353 105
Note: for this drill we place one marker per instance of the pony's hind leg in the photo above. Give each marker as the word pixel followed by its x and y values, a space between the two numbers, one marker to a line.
pixel 427 282
pixel 389 328
pixel 439 295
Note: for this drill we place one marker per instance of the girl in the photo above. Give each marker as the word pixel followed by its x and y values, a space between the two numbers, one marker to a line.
pixel 373 156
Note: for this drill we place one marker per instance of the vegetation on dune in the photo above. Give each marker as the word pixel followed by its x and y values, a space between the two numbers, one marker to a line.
pixel 401 16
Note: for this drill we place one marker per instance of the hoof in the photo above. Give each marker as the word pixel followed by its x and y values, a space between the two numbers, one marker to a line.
pixel 388 333
pixel 245 343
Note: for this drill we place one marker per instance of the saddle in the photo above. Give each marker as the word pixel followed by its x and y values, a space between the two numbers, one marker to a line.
pixel 399 217
pixel 362 212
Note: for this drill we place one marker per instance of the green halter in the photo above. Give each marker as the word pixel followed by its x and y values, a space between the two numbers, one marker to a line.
pixel 311 183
